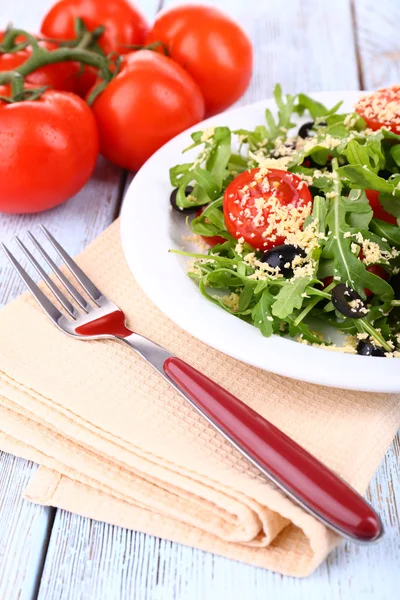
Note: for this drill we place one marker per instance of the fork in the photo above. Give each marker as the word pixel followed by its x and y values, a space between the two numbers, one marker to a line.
pixel 294 470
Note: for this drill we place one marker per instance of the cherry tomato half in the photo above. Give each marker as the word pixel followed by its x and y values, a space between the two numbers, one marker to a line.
pixel 124 24
pixel 379 212
pixel 212 47
pixel 48 150
pixel 381 109
pixel 263 206
pixel 211 240
pixel 150 101
pixel 61 76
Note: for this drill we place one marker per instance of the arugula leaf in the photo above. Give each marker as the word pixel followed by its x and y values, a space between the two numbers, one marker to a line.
pixel 386 230
pixel 346 266
pixel 368 235
pixel 220 153
pixel 391 204
pixel 285 111
pixel 315 108
pixel 246 297
pixel 319 213
pixel 395 154
pixel 289 297
pixel 325 268
pixel 206 181
pixel 358 209
pixel 261 312
pixel 362 154
pixel 360 177
pixel 303 330
pixel 177 173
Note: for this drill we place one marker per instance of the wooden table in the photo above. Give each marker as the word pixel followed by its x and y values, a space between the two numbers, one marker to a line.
pixel 306 45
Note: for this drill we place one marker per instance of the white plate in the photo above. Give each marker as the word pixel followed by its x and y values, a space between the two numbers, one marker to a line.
pixel 149 228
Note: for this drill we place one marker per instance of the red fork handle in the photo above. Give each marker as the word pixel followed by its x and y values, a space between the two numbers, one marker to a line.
pixel 291 467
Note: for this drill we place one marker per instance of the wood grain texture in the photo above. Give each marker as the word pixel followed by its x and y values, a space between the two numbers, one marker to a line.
pixel 24 531
pixel 377 25
pixel 306 45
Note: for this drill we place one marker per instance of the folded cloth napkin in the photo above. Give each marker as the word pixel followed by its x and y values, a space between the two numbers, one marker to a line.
pixel 116 443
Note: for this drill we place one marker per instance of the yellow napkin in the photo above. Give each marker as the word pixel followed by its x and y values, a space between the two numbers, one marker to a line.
pixel 117 443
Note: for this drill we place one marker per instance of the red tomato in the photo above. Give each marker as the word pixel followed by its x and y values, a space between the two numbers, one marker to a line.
pixel 379 212
pixel 211 240
pixel 264 205
pixel 48 150
pixel 123 22
pixel 150 101
pixel 60 76
pixel 381 109
pixel 213 48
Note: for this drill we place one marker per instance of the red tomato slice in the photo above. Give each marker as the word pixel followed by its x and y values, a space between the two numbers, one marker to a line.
pixel 381 109
pixel 379 212
pixel 263 206
pixel 211 240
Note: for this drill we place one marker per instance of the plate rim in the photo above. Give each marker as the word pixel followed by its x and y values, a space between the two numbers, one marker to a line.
pixel 352 371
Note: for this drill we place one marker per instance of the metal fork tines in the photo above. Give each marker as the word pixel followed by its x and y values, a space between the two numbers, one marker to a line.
pixel 80 312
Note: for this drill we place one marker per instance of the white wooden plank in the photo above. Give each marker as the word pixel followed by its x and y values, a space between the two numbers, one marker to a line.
pixel 24 531
pixel 378 41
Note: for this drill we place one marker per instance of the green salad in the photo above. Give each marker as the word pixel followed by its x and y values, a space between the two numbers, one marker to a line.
pixel 298 229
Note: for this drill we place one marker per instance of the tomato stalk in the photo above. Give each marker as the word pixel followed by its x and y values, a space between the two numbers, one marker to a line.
pixel 40 57
pixel 152 46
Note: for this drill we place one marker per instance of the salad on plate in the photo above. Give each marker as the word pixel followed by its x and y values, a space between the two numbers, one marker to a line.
pixel 299 229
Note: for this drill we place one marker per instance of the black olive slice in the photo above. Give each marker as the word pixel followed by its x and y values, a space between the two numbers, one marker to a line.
pixel 306 130
pixel 342 296
pixel 367 349
pixel 281 256
pixel 276 154
pixel 186 211
pixel 395 283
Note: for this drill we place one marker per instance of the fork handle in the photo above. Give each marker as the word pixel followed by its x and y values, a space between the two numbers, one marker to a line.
pixel 291 467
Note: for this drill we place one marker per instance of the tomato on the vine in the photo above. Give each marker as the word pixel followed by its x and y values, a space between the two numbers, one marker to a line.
pixel 48 150
pixel 264 206
pixel 150 101
pixel 377 209
pixel 60 76
pixel 123 23
pixel 212 47
pixel 381 109
pixel 85 79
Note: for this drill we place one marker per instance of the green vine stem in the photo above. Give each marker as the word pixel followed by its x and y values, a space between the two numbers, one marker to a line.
pixel 152 46
pixel 41 56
